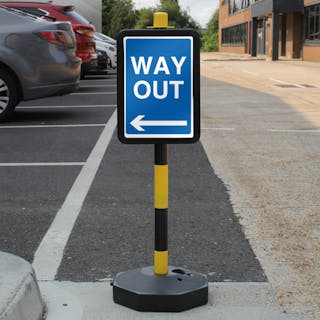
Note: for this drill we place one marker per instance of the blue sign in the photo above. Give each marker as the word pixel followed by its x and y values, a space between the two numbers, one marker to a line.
pixel 158 87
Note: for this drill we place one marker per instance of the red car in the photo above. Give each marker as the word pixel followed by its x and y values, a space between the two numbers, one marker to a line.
pixel 84 31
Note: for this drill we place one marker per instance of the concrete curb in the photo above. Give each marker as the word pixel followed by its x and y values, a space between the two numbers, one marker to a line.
pixel 20 297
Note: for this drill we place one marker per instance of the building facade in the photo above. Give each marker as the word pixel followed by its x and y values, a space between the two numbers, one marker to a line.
pixel 276 28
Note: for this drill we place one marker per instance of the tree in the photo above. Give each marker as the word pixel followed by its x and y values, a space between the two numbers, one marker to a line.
pixel 144 18
pixel 117 15
pixel 177 17
pixel 106 18
pixel 213 24
pixel 210 39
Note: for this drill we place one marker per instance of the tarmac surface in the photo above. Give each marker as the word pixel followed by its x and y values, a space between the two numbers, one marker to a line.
pixel 113 232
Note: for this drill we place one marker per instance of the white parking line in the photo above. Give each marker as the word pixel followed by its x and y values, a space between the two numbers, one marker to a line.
pixel 101 77
pixel 92 81
pixel 295 130
pixel 40 164
pixel 99 86
pixel 86 93
pixel 54 126
pixel 64 107
pixel 250 72
pixel 49 254
pixel 287 83
pixel 219 129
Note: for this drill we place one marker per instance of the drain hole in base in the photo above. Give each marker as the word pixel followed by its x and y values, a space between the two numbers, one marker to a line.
pixel 180 271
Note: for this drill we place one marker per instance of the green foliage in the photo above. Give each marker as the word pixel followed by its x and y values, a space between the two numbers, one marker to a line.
pixel 210 42
pixel 144 18
pixel 120 14
pixel 117 15
pixel 177 17
pixel 210 39
pixel 106 18
pixel 213 24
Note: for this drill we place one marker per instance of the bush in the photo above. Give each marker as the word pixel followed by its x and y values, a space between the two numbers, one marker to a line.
pixel 210 42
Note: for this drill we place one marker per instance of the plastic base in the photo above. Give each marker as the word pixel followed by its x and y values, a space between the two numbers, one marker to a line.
pixel 142 290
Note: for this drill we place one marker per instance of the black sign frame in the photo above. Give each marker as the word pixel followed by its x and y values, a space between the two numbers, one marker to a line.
pixel 196 84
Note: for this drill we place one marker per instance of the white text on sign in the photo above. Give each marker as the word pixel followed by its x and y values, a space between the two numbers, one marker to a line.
pixel 143 89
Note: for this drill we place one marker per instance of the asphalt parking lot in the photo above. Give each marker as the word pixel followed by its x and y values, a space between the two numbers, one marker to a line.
pixel 79 205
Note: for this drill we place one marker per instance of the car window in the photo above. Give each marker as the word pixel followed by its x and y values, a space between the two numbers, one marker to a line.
pixel 20 13
pixel 34 11
pixel 76 16
pixel 104 38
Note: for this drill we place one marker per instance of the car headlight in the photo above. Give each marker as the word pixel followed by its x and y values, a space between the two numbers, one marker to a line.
pixel 112 49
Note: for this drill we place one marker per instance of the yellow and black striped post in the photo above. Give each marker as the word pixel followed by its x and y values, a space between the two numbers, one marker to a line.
pixel 161 186
pixel 160 288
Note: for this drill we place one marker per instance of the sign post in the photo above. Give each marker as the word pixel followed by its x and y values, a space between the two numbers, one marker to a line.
pixel 159 103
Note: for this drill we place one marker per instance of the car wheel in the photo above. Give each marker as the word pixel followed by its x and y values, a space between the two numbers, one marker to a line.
pixel 8 95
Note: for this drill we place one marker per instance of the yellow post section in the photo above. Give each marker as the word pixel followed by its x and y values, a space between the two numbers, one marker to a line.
pixel 160 20
pixel 161 262
pixel 161 186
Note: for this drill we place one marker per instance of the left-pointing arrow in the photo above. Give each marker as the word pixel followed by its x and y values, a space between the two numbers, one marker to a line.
pixel 138 123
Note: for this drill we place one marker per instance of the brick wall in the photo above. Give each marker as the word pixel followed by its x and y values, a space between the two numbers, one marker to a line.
pixel 311 53
pixel 226 20
pixel 308 2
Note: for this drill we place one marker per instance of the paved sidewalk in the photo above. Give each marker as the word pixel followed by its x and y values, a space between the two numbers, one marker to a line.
pixel 261 132
pixel 227 301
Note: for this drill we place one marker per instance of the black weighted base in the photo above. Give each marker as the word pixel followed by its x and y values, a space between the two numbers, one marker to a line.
pixel 142 290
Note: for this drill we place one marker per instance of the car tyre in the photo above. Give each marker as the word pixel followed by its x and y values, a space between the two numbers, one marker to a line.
pixel 9 96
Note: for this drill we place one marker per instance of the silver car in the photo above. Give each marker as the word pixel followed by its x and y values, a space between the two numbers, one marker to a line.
pixel 37 59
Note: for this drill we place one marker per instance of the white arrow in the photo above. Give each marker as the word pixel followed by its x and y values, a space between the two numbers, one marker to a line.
pixel 138 123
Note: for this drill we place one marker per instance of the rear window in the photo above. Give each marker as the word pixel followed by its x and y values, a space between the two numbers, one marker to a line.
pixel 20 13
pixel 34 11
pixel 76 16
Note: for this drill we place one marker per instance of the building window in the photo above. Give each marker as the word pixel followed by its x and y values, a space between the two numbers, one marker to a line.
pixel 235 36
pixel 312 14
pixel 237 5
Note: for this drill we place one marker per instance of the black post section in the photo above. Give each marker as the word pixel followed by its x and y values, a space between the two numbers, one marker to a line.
pixel 275 36
pixel 161 154
pixel 254 31
pixel 161 230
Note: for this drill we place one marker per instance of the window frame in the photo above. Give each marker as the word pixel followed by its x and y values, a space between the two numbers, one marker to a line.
pixel 307 22
pixel 240 35
pixel 243 5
